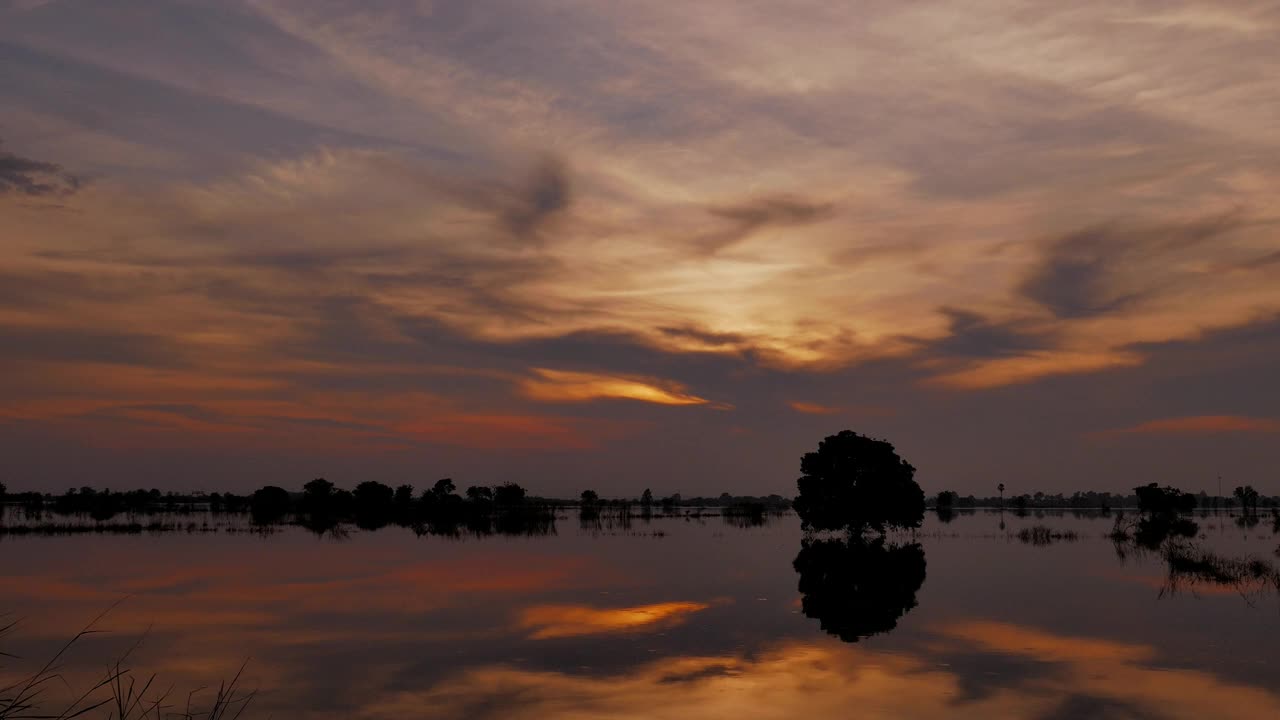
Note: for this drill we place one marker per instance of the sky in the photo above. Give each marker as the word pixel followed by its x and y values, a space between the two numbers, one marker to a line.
pixel 583 244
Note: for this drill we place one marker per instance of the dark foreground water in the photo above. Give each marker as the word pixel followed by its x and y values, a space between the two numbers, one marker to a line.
pixel 669 619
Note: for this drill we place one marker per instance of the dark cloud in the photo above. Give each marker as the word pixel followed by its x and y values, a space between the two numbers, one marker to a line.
pixel 752 215
pixel 545 195
pixel 973 336
pixel 1101 708
pixel 1266 260
pixel 1071 280
pixel 312 260
pixel 981 676
pixel 706 337
pixel 24 176
pixel 779 210
pixel 91 346
pixel 1080 274
pixel 169 116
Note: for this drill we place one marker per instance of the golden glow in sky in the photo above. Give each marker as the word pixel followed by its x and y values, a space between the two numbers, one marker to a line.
pixel 415 228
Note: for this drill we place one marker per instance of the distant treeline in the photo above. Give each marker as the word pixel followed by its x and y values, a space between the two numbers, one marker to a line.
pixel 1094 500
pixel 321 503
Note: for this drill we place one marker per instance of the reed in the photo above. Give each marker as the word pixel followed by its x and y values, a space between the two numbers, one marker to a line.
pixel 119 693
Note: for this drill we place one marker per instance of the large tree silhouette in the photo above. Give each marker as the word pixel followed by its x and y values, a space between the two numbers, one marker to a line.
pixel 857 483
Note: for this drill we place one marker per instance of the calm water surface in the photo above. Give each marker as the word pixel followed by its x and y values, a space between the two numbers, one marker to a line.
pixel 669 619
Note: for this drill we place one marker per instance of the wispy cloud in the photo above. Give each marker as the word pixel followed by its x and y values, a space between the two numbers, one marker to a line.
pixel 566 386
pixel 811 408
pixel 956 200
pixel 1200 425
pixel 34 178
pixel 1029 367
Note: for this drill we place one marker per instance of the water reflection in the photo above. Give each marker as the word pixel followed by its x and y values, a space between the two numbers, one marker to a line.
pixel 1191 565
pixel 1067 677
pixel 703 620
pixel 556 621
pixel 858 588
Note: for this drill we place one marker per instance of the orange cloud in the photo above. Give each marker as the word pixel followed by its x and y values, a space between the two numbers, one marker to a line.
pixel 809 408
pixel 1047 647
pixel 566 386
pixel 1200 424
pixel 555 621
pixel 1027 368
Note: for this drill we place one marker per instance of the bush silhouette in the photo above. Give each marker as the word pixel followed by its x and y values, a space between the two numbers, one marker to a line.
pixel 269 504
pixel 857 483
pixel 509 495
pixel 1165 500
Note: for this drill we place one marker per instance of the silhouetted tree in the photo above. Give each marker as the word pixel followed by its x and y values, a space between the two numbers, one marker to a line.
pixel 509 495
pixel 317 491
pixel 646 499
pixel 588 508
pixel 371 494
pixel 858 588
pixel 479 509
pixel 269 504
pixel 1165 500
pixel 855 482
pixel 343 500
pixel 945 505
pixel 373 504
pixel 1000 488
pixel 404 496
pixel 441 506
pixel 403 502
pixel 1247 496
pixel 318 502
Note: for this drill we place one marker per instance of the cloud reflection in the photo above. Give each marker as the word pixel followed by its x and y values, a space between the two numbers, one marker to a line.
pixel 557 621
pixel 1076 676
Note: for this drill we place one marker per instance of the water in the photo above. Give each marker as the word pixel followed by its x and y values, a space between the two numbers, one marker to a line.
pixel 669 619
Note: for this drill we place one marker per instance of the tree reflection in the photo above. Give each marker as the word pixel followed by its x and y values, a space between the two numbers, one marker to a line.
pixel 858 588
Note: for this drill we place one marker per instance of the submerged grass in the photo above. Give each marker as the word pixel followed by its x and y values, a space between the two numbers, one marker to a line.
pixel 1041 535
pixel 1191 565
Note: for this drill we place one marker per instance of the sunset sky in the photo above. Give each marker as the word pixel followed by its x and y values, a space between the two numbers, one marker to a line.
pixel 618 245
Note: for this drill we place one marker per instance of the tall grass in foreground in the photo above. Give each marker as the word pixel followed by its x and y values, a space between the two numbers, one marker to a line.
pixel 117 694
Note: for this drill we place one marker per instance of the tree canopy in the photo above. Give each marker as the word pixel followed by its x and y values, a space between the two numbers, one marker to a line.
pixel 268 504
pixel 1164 500
pixel 856 483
